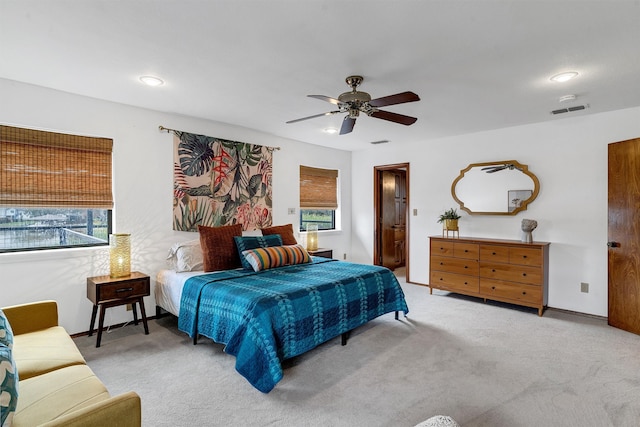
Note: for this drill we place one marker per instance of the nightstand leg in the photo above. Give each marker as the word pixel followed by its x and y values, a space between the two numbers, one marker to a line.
pixel 144 315
pixel 135 313
pixel 100 325
pixel 93 319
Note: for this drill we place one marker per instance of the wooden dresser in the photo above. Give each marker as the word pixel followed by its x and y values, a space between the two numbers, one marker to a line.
pixel 501 270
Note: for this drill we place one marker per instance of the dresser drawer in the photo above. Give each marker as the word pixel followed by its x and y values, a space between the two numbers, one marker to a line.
pixel 525 256
pixel 465 250
pixel 511 273
pixel 124 289
pixel 454 282
pixel 497 289
pixel 494 253
pixel 439 247
pixel 455 265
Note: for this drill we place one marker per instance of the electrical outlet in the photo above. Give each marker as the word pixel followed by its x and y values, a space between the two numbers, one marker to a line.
pixel 344 256
pixel 584 287
pixel 415 212
pixel 129 307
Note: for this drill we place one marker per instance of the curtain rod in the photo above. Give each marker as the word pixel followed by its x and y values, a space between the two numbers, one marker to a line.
pixel 163 129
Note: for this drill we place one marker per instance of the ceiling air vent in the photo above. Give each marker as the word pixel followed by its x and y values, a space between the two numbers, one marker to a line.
pixel 570 109
pixel 382 141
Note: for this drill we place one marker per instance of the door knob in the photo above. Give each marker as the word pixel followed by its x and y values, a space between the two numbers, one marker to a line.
pixel 613 244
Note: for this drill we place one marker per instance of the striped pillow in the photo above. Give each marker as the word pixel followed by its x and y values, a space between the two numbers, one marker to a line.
pixel 276 256
pixel 245 243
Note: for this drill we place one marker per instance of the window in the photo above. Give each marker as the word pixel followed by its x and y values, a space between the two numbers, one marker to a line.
pixel 55 190
pixel 318 197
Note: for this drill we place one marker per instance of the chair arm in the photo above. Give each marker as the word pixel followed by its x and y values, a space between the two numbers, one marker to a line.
pixel 123 410
pixel 32 317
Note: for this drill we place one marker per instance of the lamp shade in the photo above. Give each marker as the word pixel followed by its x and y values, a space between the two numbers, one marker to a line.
pixel 120 254
pixel 312 237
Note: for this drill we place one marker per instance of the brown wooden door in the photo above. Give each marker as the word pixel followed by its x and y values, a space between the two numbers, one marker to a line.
pixel 388 218
pixel 624 235
pixel 393 219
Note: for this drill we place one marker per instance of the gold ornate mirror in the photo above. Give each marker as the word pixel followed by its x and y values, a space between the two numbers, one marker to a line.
pixel 505 187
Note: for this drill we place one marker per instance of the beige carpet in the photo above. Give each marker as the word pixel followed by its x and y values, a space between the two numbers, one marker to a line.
pixel 484 364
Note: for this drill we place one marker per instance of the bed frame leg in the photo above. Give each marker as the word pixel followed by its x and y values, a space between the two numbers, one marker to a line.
pixel 195 339
pixel 345 335
pixel 397 314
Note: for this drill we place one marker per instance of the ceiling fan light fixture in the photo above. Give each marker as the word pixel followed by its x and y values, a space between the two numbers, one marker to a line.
pixel 151 81
pixel 564 77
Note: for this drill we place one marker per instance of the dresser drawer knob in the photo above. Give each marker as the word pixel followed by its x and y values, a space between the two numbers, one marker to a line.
pixel 465 251
pixel 493 253
pixel 466 266
pixel 524 293
pixel 493 287
pixel 124 290
pixel 524 274
pixel 524 256
pixel 493 270
pixel 442 263
pixel 465 283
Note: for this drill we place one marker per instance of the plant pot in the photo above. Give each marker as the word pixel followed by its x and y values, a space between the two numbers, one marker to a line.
pixel 451 224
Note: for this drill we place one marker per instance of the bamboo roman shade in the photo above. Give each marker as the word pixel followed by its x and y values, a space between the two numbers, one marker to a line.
pixel 48 169
pixel 318 188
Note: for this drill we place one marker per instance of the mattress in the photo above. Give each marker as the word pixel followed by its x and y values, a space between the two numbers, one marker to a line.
pixel 168 288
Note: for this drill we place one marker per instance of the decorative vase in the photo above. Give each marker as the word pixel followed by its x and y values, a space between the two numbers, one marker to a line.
pixel 528 225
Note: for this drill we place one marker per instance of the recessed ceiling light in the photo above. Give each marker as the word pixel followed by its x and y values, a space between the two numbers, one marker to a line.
pixel 331 130
pixel 151 81
pixel 563 77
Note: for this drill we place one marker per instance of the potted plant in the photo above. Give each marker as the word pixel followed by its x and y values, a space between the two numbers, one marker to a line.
pixel 449 219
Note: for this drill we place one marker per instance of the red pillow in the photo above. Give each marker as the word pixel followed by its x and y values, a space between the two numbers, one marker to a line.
pixel 218 247
pixel 285 231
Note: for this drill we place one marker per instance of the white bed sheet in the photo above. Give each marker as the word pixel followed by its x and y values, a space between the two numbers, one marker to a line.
pixel 168 289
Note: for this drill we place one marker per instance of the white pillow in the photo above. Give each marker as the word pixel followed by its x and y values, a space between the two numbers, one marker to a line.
pixel 186 256
pixel 246 233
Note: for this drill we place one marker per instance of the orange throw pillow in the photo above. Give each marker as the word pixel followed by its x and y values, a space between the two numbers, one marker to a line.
pixel 218 247
pixel 285 231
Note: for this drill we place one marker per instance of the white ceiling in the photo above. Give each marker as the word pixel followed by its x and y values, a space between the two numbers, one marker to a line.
pixel 476 65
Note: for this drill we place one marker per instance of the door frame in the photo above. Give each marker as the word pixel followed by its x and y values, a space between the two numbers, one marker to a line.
pixel 377 213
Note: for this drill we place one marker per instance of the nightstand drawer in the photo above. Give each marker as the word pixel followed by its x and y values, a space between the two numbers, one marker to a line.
pixel 120 290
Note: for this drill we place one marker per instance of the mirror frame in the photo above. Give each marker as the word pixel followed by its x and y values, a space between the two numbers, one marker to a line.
pixel 523 168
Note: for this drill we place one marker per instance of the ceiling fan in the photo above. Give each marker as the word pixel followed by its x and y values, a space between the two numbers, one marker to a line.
pixel 496 168
pixel 355 102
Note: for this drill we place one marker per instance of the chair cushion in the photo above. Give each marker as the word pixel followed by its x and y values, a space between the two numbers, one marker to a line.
pixel 49 396
pixel 44 351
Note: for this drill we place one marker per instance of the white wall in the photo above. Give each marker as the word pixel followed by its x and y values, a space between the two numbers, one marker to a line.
pixel 569 157
pixel 143 177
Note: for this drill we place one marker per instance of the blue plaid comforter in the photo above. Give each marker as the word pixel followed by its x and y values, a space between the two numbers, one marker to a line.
pixel 268 316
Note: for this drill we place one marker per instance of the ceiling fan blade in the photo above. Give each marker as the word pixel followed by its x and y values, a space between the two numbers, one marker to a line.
pixel 325 98
pixel 347 125
pixel 398 98
pixel 394 117
pixel 314 116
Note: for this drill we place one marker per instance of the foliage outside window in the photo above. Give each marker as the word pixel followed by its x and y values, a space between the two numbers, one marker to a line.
pixel 55 190
pixel 318 197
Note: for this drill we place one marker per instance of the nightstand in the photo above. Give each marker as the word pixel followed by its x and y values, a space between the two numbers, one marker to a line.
pixel 107 291
pixel 324 253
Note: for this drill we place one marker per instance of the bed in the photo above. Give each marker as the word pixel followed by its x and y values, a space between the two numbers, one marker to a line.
pixel 268 316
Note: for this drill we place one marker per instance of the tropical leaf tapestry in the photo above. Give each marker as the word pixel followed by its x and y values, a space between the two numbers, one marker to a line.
pixel 220 182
